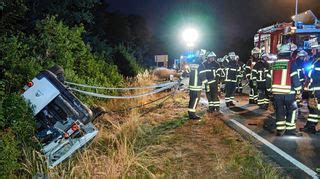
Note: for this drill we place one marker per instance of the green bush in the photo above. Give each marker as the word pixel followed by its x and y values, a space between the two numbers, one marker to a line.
pixel 125 61
pixel 17 131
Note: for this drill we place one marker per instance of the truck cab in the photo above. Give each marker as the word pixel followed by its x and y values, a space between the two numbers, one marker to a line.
pixel 63 122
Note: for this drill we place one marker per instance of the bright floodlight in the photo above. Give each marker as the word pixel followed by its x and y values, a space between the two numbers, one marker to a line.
pixel 190 36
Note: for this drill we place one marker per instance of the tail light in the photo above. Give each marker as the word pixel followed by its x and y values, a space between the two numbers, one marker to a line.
pixel 30 84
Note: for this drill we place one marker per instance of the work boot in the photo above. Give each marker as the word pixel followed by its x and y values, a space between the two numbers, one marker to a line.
pixel 309 128
pixel 217 109
pixel 292 132
pixel 228 104
pixel 211 109
pixel 251 101
pixel 193 116
pixel 280 132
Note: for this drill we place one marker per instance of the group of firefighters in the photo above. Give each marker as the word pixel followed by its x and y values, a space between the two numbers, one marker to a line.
pixel 289 78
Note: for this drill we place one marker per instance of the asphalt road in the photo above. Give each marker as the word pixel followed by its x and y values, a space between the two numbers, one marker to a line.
pixel 303 152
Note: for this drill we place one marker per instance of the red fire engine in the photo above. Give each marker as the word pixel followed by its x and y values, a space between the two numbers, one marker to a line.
pixel 304 27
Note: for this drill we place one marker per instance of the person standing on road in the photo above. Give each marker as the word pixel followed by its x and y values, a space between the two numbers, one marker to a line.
pixel 232 73
pixel 300 62
pixel 260 73
pixel 213 75
pixel 239 80
pixel 251 62
pixel 284 83
pixel 196 82
pixel 314 88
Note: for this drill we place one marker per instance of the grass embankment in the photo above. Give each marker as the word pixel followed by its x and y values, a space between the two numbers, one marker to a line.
pixel 160 142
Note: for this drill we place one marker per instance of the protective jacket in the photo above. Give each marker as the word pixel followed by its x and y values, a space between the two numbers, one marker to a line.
pixel 314 75
pixel 197 76
pixel 232 71
pixel 260 73
pixel 284 77
pixel 213 71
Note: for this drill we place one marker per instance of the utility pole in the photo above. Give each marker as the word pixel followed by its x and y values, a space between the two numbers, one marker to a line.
pixel 297 3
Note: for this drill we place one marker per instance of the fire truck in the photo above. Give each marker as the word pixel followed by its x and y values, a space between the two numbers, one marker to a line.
pixel 304 27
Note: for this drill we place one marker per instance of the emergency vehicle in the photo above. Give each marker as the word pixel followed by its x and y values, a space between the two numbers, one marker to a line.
pixel 305 27
pixel 64 124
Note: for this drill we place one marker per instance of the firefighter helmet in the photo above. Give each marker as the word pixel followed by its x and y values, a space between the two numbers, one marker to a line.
pixel 287 48
pixel 211 54
pixel 302 53
pixel 255 50
pixel 220 60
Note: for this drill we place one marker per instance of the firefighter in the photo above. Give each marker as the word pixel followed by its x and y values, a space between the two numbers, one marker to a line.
pixel 301 61
pixel 313 88
pixel 213 71
pixel 196 81
pixel 284 83
pixel 260 73
pixel 251 62
pixel 232 72
pixel 239 80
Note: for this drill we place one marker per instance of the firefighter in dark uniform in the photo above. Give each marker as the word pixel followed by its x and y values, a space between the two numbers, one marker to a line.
pixel 232 73
pixel 314 88
pixel 241 75
pixel 285 85
pixel 196 82
pixel 260 73
pixel 253 95
pixel 301 61
pixel 213 72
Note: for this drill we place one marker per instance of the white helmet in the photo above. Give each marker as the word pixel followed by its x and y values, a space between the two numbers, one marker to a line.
pixel 302 53
pixel 220 60
pixel 255 50
pixel 287 48
pixel 211 54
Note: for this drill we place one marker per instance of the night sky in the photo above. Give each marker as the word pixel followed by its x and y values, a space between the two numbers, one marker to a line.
pixel 224 24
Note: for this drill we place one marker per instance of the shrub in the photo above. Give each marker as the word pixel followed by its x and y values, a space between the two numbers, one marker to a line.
pixel 126 62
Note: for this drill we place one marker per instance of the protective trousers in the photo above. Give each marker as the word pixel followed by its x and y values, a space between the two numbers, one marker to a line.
pixel 212 95
pixel 194 100
pixel 253 94
pixel 314 109
pixel 286 111
pixel 262 94
pixel 239 87
pixel 230 90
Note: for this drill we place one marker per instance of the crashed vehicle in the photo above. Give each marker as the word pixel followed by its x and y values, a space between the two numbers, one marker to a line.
pixel 63 123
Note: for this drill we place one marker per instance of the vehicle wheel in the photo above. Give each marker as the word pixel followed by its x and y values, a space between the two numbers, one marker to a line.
pixel 58 71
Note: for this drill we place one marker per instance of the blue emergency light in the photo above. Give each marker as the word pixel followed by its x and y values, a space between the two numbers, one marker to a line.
pixel 308 67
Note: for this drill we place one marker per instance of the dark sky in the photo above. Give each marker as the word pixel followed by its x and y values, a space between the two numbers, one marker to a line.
pixel 223 24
